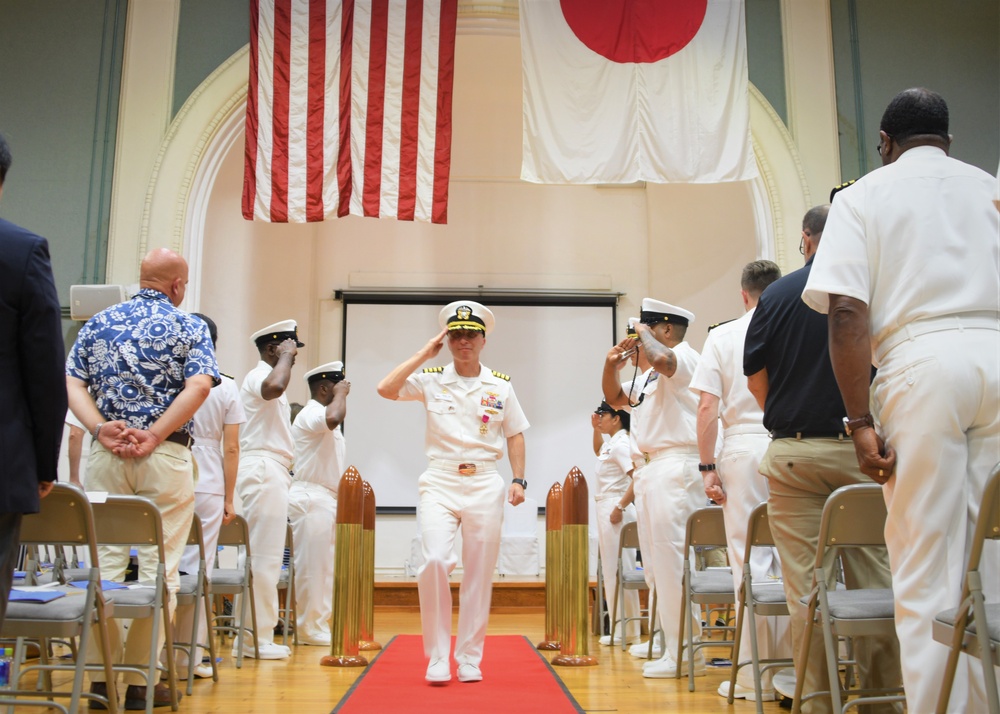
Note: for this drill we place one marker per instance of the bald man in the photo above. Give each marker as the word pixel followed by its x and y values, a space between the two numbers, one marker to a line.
pixel 135 377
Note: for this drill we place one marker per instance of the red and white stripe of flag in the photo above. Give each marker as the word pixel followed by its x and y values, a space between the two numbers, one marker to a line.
pixel 349 109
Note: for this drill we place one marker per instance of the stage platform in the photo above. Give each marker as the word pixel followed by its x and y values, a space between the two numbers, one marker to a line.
pixel 510 593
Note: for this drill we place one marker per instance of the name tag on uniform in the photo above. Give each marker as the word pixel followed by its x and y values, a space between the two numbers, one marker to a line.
pixel 444 397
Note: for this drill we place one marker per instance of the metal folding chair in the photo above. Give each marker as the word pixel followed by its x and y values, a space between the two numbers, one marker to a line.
pixel 757 599
pixel 974 626
pixel 712 586
pixel 628 579
pixel 238 582
pixel 195 592
pixel 286 581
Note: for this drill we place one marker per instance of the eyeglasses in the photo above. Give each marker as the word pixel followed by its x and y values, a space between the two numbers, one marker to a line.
pixel 881 147
pixel 802 241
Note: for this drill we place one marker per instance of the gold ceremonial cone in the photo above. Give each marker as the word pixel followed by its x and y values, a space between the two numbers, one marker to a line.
pixel 553 568
pixel 574 641
pixel 345 627
pixel 368 573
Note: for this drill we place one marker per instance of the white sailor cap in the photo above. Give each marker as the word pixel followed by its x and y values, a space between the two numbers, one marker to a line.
pixel 466 315
pixel 630 330
pixel 334 371
pixel 654 311
pixel 278 332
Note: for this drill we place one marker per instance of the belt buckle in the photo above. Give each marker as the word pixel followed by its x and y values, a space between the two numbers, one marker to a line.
pixel 645 456
pixel 466 469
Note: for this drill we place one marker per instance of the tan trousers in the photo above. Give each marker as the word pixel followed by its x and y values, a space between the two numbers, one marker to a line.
pixel 166 477
pixel 801 474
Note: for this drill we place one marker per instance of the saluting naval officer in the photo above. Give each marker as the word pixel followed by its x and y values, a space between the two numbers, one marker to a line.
pixel 667 485
pixel 320 459
pixel 266 451
pixel 471 412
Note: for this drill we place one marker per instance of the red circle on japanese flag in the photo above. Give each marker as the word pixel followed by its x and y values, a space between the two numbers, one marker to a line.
pixel 635 30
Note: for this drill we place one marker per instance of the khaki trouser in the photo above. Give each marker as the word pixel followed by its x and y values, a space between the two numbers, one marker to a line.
pixel 801 475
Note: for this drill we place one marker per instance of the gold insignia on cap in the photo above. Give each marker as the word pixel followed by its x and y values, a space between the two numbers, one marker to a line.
pixel 464 312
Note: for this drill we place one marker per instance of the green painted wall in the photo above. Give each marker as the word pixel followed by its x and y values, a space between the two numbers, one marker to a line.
pixel 765 55
pixel 208 33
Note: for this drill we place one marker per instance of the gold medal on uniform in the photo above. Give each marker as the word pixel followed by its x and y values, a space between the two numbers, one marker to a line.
pixel 485 425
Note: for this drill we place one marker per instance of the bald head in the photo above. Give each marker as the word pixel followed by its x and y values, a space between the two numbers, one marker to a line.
pixel 164 270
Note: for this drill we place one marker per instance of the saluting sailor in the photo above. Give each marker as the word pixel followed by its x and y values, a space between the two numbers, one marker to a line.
pixel 320 459
pixel 471 412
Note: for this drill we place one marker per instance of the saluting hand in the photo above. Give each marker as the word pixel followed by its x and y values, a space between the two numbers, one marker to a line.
pixel 287 347
pixel 617 354
pixel 432 348
pixel 342 387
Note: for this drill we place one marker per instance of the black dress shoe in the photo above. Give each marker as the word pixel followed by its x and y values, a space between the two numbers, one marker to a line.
pixel 99 688
pixel 135 697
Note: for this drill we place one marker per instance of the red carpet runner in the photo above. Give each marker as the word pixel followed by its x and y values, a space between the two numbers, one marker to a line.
pixel 516 679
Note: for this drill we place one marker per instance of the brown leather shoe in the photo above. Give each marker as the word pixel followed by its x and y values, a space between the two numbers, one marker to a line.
pixel 99 688
pixel 135 696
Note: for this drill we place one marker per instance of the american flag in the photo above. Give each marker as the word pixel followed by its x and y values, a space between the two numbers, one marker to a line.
pixel 349 109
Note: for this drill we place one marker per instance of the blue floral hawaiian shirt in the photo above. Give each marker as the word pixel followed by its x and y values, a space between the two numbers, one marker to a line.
pixel 135 356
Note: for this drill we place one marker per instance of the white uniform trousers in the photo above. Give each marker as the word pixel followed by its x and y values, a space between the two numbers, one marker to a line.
pixel 673 490
pixel 938 398
pixel 607 542
pixel 262 485
pixel 312 511
pixel 642 529
pixel 745 488
pixel 210 507
pixel 448 500
pixel 166 477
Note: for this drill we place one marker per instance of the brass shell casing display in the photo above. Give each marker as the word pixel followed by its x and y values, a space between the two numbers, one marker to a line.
pixel 553 567
pixel 367 642
pixel 345 626
pixel 574 638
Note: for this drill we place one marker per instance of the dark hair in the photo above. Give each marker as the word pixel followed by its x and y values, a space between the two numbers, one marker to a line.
pixel 915 112
pixel 213 331
pixel 5 159
pixel 625 417
pixel 758 275
pixel 815 220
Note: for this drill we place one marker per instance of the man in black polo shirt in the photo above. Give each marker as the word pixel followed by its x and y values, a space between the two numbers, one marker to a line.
pixel 788 370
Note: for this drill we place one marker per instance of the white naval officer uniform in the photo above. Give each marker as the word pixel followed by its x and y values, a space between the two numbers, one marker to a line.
pixel 222 407
pixel 917 241
pixel 320 459
pixel 468 422
pixel 266 450
pixel 745 440
pixel 668 488
pixel 612 481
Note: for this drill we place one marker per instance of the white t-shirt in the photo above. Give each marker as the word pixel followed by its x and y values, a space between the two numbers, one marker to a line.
pixel 720 373
pixel 668 414
pixel 613 464
pixel 268 424
pixel 465 423
pixel 916 239
pixel 223 406
pixel 320 453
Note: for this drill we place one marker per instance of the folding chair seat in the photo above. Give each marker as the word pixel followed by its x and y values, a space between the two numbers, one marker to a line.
pixel 135 521
pixel 287 615
pixel 757 599
pixel 195 592
pixel 628 579
pixel 236 581
pixel 65 518
pixel 853 517
pixel 974 626
pixel 710 586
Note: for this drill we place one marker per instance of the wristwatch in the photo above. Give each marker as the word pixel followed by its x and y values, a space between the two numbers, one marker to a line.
pixel 852 425
pixel 706 467
pixel 521 482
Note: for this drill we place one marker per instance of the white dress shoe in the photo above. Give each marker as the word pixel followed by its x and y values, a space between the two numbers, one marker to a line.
pixel 268 650
pixel 666 668
pixel 606 640
pixel 203 671
pixel 438 671
pixel 748 693
pixel 469 673
pixel 641 649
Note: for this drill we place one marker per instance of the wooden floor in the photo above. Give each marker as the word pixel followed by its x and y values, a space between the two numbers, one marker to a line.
pixel 300 686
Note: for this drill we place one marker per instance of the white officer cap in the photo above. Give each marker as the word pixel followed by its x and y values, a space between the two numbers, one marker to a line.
pixel 654 311
pixel 334 371
pixel 278 332
pixel 466 315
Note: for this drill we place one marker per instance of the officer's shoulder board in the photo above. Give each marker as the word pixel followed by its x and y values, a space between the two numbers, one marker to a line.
pixel 501 375
pixel 227 376
pixel 432 370
pixel 719 324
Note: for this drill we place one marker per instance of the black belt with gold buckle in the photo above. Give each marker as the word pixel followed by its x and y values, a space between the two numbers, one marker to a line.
pixel 179 437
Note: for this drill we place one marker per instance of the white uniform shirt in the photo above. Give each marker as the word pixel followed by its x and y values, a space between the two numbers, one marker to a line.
pixel 268 423
pixel 223 406
pixel 720 373
pixel 613 464
pixel 320 453
pixel 456 413
pixel 668 415
pixel 885 233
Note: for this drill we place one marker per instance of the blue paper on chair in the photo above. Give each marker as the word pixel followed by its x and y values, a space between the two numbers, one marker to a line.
pixel 105 585
pixel 40 595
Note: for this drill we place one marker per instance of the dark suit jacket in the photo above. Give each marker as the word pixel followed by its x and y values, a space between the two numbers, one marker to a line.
pixel 32 369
